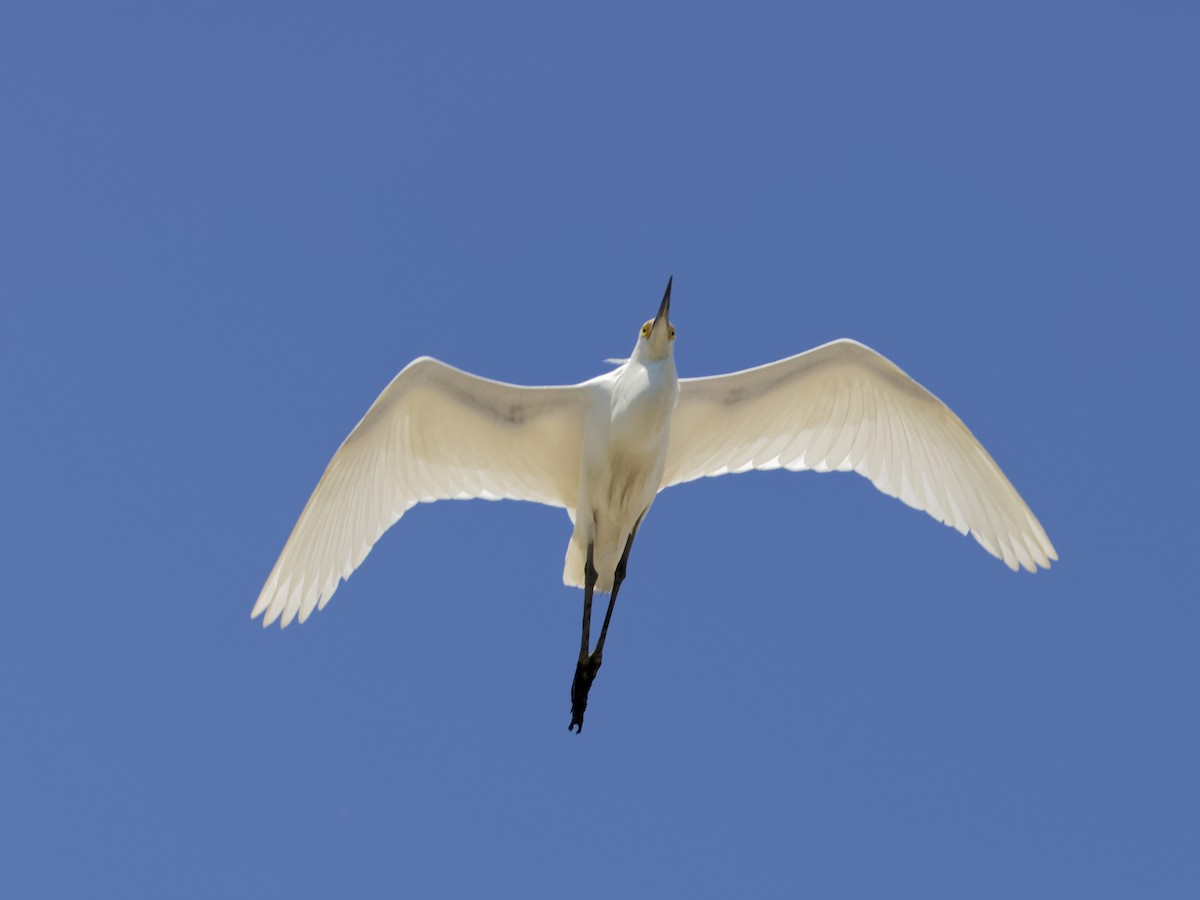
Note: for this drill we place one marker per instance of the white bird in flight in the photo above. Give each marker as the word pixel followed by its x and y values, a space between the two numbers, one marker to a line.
pixel 604 449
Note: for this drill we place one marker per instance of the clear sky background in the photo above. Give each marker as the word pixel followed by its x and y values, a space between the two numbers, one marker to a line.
pixel 224 227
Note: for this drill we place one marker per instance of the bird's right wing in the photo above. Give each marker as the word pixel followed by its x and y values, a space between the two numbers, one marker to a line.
pixel 434 433
pixel 844 407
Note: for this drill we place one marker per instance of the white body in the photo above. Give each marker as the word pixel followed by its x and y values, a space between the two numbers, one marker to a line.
pixel 603 450
pixel 625 435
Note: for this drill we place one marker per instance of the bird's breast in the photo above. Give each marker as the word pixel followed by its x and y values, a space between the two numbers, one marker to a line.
pixel 626 466
pixel 641 407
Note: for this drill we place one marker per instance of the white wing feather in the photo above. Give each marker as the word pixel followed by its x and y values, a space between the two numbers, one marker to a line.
pixel 434 433
pixel 844 407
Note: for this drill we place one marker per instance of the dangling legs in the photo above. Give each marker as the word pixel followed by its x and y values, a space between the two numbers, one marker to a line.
pixel 585 673
pixel 589 665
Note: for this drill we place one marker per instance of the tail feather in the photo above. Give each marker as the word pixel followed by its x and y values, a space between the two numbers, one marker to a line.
pixel 573 566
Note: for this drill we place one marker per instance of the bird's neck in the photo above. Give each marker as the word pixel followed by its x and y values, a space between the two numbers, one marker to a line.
pixel 658 364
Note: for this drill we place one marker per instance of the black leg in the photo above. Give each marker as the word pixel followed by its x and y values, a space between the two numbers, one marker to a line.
pixel 589 586
pixel 589 665
pixel 585 671
pixel 618 577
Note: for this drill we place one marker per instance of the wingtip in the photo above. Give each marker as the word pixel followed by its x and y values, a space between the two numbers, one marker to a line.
pixel 269 614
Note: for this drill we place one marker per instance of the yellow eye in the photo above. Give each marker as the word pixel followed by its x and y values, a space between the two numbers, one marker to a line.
pixel 646 329
pixel 671 333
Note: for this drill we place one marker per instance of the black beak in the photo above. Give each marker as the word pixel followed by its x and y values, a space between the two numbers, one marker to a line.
pixel 665 306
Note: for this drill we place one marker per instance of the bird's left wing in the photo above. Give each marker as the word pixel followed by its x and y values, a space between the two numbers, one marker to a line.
pixel 844 407
pixel 434 433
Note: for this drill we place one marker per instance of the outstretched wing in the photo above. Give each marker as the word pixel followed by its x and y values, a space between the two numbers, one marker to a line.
pixel 844 407
pixel 434 433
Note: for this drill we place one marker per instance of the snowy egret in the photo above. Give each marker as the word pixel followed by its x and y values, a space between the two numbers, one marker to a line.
pixel 604 449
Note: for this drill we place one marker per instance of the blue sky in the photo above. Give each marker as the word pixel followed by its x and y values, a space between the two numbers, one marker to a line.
pixel 224 228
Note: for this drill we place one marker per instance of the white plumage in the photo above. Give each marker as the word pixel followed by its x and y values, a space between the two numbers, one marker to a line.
pixel 604 448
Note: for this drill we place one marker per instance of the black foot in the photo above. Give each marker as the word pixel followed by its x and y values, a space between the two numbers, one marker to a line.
pixel 585 674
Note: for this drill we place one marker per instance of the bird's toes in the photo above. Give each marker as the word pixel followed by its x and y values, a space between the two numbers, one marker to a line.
pixel 585 674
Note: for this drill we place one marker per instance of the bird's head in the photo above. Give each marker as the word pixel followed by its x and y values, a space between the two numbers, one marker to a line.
pixel 657 338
